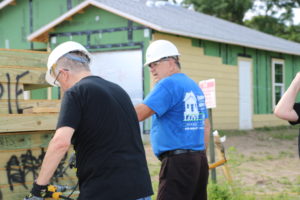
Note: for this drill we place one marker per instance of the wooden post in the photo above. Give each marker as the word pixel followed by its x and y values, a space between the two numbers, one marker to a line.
pixel 221 156
pixel 212 149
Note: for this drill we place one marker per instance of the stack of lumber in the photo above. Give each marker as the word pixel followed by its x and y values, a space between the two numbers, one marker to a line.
pixel 26 126
pixel 20 71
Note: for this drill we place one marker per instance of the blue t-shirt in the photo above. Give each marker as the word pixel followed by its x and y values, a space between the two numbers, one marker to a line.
pixel 180 113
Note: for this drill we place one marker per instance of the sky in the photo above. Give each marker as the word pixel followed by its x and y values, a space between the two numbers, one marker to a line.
pixel 250 14
pixel 297 16
pixel 296 19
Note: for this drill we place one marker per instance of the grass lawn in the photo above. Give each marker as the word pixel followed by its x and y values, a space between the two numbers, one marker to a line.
pixel 263 163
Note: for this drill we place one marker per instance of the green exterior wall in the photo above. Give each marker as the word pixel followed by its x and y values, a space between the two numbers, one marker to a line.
pixel 15 26
pixel 15 23
pixel 102 41
pixel 262 69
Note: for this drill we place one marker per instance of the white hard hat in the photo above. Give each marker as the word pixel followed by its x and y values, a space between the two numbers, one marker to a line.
pixel 160 49
pixel 58 52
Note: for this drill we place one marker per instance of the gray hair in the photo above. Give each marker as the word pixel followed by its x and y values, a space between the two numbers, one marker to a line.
pixel 74 61
pixel 176 59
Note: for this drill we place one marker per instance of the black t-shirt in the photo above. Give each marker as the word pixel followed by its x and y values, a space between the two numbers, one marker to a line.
pixel 297 109
pixel 110 156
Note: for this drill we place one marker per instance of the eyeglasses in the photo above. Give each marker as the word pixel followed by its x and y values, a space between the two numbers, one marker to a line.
pixel 56 76
pixel 55 80
pixel 154 64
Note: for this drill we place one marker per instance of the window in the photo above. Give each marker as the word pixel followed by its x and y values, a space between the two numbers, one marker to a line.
pixel 277 81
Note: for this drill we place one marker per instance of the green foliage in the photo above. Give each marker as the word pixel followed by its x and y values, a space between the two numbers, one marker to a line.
pixel 224 191
pixel 274 26
pixel 219 192
pixel 270 21
pixel 231 10
pixel 279 132
pixel 267 24
pixel 291 33
pixel 276 23
pixel 233 132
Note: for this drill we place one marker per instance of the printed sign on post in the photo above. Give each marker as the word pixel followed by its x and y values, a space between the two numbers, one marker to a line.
pixel 209 89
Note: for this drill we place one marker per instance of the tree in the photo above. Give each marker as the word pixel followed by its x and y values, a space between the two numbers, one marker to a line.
pixel 277 19
pixel 231 10
pixel 280 9
pixel 267 24
pixel 276 16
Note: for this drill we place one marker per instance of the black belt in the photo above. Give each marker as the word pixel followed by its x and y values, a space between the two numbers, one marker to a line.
pixel 176 152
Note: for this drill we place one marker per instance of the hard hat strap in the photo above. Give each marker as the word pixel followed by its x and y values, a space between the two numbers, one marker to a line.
pixel 76 58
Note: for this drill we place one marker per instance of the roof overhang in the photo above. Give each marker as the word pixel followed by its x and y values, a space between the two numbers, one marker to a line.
pixel 42 35
pixel 6 3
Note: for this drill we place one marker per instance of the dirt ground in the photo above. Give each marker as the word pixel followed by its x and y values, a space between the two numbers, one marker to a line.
pixel 262 162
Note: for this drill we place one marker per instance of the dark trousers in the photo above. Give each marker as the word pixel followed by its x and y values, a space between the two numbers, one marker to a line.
pixel 184 177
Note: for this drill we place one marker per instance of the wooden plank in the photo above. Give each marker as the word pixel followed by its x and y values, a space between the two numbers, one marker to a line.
pixel 21 156
pixel 40 103
pixel 27 122
pixel 35 86
pixel 23 58
pixel 34 103
pixel 13 3
pixel 21 74
pixel 27 133
pixel 4 104
pixel 41 110
pixel 10 91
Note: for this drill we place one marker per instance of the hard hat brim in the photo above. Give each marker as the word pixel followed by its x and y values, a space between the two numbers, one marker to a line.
pixel 155 60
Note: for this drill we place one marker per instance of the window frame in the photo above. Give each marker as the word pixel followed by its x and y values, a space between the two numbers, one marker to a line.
pixel 274 84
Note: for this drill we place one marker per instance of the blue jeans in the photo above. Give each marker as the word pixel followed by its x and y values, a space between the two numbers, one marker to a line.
pixel 145 198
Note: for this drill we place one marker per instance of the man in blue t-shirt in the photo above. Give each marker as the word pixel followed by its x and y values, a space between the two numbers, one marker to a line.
pixel 180 129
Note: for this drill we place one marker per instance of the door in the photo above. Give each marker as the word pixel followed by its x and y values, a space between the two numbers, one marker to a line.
pixel 245 94
pixel 123 68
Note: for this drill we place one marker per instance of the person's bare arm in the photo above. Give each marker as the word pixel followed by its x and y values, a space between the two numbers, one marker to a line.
pixel 57 149
pixel 143 111
pixel 206 132
pixel 284 109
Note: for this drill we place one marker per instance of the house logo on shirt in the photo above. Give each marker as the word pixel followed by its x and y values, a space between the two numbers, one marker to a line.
pixel 191 112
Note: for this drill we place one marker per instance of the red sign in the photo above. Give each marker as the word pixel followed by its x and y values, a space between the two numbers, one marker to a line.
pixel 209 89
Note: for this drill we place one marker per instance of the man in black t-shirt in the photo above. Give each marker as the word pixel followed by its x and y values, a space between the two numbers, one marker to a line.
pixel 287 108
pixel 98 118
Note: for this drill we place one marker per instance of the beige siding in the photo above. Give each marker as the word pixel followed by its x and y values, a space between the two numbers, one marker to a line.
pixel 201 67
